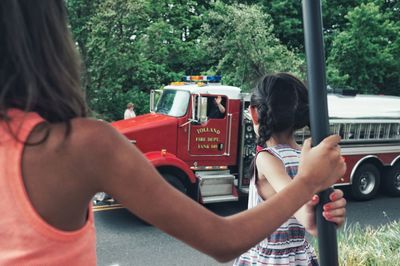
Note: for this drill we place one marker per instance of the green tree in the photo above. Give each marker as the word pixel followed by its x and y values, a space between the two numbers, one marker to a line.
pixel 115 57
pixel 288 21
pixel 80 12
pixel 133 46
pixel 287 16
pixel 172 37
pixel 367 50
pixel 334 12
pixel 240 39
pixel 391 7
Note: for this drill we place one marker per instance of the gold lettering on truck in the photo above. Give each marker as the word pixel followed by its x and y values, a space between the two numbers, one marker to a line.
pixel 208 130
pixel 207 143
pixel 203 146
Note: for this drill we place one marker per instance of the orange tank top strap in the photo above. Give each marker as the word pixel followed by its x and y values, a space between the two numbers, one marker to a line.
pixel 27 238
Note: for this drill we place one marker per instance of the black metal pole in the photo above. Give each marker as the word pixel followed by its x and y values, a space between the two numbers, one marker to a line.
pixel 319 120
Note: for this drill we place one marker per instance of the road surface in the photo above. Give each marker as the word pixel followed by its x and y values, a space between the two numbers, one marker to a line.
pixel 124 240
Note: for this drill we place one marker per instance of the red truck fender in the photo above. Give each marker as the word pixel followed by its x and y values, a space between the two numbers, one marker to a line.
pixel 372 158
pixel 160 158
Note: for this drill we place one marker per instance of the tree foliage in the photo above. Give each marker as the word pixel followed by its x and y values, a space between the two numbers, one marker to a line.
pixel 130 47
pixel 241 39
pixel 367 51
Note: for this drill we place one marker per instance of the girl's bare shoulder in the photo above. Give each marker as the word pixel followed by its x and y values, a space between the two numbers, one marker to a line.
pixel 269 165
pixel 82 133
pixel 81 160
pixel 89 138
pixel 57 165
pixel 78 145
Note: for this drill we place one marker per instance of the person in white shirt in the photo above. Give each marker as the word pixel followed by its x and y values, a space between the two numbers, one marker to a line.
pixel 129 112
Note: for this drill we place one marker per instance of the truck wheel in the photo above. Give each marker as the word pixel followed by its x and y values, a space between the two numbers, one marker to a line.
pixel 366 182
pixel 175 182
pixel 391 183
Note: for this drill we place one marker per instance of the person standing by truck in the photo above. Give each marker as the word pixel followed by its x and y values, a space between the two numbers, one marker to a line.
pixel 54 159
pixel 129 112
pixel 278 107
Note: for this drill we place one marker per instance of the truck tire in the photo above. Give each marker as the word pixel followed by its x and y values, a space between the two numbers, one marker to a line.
pixel 391 183
pixel 175 182
pixel 366 181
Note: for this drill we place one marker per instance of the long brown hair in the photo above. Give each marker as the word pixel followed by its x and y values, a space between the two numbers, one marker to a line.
pixel 39 66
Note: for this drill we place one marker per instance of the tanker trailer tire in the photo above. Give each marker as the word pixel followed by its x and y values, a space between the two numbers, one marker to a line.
pixel 366 181
pixel 391 182
pixel 175 182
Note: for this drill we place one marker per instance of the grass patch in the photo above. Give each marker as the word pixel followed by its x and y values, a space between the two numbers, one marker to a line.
pixel 369 246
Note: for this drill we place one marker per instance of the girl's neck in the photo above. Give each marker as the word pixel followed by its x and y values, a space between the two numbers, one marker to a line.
pixel 283 139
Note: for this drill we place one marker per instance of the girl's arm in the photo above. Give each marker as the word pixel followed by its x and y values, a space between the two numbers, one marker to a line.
pixel 108 162
pixel 273 170
pixel 218 102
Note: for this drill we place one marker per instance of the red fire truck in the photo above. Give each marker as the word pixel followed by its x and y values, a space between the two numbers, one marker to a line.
pixel 208 158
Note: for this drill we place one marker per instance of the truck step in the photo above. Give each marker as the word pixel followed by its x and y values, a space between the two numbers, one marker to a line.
pixel 216 183
pixel 212 178
pixel 215 199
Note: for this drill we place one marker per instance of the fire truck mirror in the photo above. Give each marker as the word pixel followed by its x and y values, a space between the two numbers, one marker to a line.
pixel 201 114
pixel 154 97
pixel 203 109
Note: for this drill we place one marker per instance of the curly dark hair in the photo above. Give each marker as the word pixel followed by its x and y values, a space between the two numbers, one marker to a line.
pixel 281 101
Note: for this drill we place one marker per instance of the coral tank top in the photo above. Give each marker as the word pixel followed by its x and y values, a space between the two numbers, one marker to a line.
pixel 25 238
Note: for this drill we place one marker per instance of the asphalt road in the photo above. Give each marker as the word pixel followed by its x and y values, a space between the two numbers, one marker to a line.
pixel 122 239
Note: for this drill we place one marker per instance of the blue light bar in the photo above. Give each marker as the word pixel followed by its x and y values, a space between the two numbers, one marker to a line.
pixel 211 79
pixel 214 78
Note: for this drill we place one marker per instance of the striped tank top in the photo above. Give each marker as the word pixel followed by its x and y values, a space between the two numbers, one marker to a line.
pixel 26 239
pixel 287 245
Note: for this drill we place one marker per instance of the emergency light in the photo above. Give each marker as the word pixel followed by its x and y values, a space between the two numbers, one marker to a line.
pixel 202 78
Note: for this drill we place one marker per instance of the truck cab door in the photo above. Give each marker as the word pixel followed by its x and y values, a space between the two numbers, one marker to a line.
pixel 210 136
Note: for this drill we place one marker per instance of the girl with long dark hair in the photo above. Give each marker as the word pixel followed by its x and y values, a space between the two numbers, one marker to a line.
pixel 278 107
pixel 54 159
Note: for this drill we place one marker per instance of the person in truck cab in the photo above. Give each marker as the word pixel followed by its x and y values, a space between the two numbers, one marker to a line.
pixel 54 159
pixel 215 108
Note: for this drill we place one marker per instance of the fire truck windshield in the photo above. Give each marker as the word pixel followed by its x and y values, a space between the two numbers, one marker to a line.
pixel 173 103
